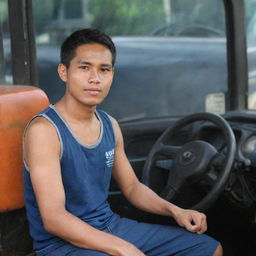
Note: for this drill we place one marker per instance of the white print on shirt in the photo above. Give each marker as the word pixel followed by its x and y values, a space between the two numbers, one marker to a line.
pixel 110 157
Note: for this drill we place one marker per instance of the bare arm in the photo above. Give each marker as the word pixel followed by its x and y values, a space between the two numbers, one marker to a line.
pixel 42 152
pixel 144 198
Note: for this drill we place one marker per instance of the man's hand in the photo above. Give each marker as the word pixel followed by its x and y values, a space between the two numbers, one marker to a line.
pixel 193 221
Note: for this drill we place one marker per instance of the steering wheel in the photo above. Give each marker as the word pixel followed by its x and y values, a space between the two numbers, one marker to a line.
pixel 191 162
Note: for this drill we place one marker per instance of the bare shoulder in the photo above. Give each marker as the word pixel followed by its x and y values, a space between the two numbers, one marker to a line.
pixel 40 127
pixel 118 134
pixel 41 138
pixel 114 122
pixel 117 129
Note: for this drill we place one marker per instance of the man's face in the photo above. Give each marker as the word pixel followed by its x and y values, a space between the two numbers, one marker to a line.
pixel 90 74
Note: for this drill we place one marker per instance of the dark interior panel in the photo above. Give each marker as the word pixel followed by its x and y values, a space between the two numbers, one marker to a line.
pixel 139 137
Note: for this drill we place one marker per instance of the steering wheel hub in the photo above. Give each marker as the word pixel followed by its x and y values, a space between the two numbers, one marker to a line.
pixel 187 158
pixel 193 159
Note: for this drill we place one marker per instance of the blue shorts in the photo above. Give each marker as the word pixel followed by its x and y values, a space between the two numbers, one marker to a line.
pixel 152 239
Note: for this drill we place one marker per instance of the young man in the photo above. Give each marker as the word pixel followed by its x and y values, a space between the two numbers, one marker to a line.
pixel 70 150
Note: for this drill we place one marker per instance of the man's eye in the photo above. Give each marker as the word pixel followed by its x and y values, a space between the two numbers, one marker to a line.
pixel 84 67
pixel 105 69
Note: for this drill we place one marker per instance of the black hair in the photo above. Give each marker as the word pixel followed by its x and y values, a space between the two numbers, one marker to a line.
pixel 85 36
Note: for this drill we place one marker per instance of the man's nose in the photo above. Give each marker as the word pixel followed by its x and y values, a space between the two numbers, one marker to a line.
pixel 94 77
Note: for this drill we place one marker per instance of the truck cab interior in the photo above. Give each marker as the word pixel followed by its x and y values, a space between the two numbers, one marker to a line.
pixel 184 94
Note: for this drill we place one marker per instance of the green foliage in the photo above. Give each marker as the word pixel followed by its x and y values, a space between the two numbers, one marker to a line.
pixel 126 17
pixel 4 25
pixel 3 10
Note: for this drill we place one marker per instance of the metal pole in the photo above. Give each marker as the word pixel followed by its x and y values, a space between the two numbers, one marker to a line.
pixel 22 42
pixel 237 54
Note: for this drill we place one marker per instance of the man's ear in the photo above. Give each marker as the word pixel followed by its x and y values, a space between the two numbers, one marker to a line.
pixel 62 71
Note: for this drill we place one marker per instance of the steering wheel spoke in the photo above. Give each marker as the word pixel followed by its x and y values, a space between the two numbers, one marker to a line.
pixel 168 192
pixel 164 164
pixel 169 151
pixel 173 186
pixel 219 161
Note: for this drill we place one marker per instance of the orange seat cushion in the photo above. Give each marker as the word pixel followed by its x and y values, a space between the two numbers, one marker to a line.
pixel 18 104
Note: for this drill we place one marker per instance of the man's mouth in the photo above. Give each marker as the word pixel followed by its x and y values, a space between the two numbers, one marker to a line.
pixel 93 91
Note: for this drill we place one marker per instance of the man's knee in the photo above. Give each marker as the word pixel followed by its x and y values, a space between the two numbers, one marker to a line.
pixel 218 251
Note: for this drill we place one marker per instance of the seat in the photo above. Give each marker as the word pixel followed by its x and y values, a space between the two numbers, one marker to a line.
pixel 18 104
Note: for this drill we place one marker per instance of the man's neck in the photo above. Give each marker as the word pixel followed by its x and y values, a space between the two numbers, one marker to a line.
pixel 75 111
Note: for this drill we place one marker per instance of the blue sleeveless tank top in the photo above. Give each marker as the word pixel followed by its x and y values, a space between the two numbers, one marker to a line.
pixel 86 173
